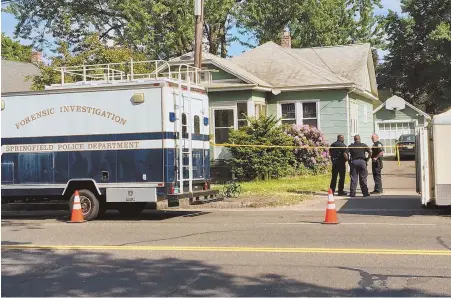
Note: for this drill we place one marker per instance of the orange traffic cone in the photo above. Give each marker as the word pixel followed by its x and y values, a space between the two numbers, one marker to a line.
pixel 331 213
pixel 77 215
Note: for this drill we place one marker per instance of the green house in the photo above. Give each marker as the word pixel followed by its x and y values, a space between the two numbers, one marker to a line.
pixel 332 88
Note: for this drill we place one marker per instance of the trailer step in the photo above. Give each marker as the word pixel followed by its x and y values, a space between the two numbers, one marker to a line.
pixel 206 201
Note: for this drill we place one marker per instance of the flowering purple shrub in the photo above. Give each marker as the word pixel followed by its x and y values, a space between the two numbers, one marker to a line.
pixel 315 157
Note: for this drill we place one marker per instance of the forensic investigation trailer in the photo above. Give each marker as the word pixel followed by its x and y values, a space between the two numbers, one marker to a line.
pixel 433 161
pixel 120 138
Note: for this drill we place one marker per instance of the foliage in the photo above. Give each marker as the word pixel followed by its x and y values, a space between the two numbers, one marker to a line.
pixel 160 28
pixel 418 65
pixel 14 51
pixel 93 52
pixel 312 22
pixel 312 159
pixel 261 163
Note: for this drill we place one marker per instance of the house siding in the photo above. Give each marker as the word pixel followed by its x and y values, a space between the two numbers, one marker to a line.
pixel 365 130
pixel 332 113
pixel 406 114
pixel 229 97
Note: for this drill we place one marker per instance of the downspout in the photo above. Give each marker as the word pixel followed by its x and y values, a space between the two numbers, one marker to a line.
pixel 348 115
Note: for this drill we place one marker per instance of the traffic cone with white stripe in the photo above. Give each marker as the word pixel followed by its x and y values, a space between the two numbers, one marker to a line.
pixel 331 213
pixel 77 214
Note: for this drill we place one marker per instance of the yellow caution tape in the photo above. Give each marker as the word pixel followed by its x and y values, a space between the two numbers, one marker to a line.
pixel 290 147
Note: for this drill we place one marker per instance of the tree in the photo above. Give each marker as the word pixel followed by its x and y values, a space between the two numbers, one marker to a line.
pixel 261 162
pixel 14 51
pixel 418 65
pixel 312 22
pixel 92 51
pixel 160 28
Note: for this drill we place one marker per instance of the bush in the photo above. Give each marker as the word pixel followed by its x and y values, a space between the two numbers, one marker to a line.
pixel 261 163
pixel 316 160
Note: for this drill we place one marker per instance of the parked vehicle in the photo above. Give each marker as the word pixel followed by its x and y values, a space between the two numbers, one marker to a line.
pixel 405 146
pixel 122 139
pixel 433 161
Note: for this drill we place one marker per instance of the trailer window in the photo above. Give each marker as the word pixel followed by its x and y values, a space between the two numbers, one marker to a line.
pixel 197 125
pixel 184 127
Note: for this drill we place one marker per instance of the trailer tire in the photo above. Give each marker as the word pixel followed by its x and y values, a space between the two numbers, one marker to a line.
pixel 90 205
pixel 131 209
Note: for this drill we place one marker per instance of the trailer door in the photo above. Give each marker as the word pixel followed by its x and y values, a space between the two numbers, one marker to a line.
pixel 422 165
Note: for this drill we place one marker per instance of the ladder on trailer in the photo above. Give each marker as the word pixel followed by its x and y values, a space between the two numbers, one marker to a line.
pixel 183 107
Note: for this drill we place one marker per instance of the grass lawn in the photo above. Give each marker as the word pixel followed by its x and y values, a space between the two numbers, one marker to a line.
pixel 281 192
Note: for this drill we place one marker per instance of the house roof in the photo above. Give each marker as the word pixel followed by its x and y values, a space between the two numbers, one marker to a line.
pixel 353 62
pixel 14 76
pixel 283 68
pixel 224 64
pixel 407 104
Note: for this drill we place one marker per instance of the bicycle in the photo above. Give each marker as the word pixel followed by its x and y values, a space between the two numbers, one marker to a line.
pixel 231 189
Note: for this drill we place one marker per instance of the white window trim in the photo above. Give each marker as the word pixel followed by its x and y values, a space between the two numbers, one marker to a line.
pixel 351 103
pixel 212 117
pixel 365 113
pixel 299 110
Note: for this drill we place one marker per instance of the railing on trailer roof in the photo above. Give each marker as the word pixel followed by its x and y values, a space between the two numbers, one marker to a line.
pixel 132 71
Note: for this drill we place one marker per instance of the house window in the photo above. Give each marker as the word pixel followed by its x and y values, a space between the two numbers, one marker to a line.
pixel 197 125
pixel 300 113
pixel 309 114
pixel 223 122
pixel 354 116
pixel 242 114
pixel 260 110
pixel 288 113
pixel 184 127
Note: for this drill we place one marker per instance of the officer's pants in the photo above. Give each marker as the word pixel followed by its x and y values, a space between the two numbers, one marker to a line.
pixel 338 168
pixel 359 172
pixel 377 168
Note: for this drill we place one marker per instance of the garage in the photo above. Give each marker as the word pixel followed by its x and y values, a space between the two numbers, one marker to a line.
pixel 394 118
pixel 389 132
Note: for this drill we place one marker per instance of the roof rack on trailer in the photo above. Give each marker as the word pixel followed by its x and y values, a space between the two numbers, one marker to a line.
pixel 130 71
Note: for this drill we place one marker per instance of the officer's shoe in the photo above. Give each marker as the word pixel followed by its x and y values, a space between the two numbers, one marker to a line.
pixel 376 192
pixel 366 195
pixel 342 193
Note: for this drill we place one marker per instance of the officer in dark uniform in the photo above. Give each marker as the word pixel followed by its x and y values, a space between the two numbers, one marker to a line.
pixel 336 152
pixel 358 163
pixel 376 158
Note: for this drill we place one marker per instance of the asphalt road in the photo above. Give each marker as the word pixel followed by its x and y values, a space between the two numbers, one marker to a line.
pixel 383 246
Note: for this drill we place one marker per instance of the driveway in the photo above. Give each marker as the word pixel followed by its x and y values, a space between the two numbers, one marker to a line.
pixel 396 179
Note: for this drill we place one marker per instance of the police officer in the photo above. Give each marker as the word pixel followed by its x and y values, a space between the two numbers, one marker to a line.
pixel 358 164
pixel 336 152
pixel 377 151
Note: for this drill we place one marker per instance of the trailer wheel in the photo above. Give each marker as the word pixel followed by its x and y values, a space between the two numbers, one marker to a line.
pixel 89 204
pixel 131 209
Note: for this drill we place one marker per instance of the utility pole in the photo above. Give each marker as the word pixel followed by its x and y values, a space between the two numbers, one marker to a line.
pixel 199 14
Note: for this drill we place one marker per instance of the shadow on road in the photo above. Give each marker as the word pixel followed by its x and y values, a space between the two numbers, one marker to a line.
pixel 400 206
pixel 53 273
pixel 147 215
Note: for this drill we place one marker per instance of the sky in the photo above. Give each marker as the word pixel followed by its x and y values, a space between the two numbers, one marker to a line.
pixel 8 23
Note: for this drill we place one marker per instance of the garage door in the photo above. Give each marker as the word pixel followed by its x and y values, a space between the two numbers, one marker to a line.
pixel 390 132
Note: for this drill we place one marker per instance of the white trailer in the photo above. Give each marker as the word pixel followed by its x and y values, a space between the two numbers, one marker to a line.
pixel 122 139
pixel 433 161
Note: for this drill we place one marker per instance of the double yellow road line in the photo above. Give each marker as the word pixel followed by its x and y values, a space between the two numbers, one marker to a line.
pixel 362 251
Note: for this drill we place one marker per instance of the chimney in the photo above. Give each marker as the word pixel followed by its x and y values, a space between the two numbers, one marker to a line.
pixel 285 41
pixel 36 57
